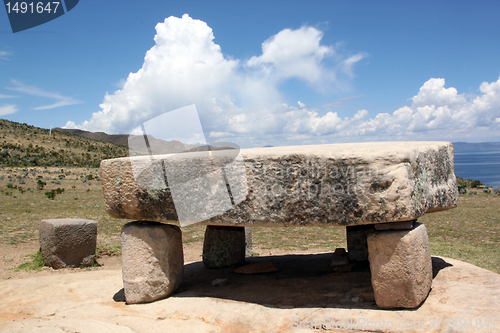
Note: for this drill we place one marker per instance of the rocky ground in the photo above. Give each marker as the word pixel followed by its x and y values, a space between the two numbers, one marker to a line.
pixel 305 295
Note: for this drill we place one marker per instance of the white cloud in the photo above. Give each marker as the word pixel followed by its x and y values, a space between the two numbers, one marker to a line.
pixel 434 93
pixel 233 97
pixel 35 91
pixel 7 109
pixel 439 112
pixel 299 54
pixel 5 55
pixel 240 101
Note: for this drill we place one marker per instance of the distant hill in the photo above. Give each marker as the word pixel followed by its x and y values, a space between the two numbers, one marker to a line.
pixel 159 146
pixel 117 139
pixel 136 142
pixel 479 145
pixel 24 145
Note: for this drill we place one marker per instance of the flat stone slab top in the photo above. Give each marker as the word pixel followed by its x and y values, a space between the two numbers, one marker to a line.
pixel 321 185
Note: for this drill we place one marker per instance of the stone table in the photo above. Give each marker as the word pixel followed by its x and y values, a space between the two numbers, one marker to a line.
pixel 377 190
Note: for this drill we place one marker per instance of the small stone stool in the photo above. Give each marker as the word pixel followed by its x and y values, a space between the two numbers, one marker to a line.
pixel 152 261
pixel 401 266
pixel 68 242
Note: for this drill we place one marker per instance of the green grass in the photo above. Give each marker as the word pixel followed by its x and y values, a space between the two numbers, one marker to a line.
pixel 35 264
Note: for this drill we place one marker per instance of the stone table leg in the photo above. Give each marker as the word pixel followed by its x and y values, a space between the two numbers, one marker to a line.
pixel 152 259
pixel 401 267
pixel 223 246
pixel 357 248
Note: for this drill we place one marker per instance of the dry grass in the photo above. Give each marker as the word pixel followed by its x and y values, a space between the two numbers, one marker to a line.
pixel 470 232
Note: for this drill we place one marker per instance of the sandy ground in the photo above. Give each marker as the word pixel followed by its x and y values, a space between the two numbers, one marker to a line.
pixel 11 256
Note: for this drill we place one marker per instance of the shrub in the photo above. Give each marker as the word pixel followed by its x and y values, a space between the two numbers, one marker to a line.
pixel 462 189
pixel 40 184
pixel 52 194
pixel 475 183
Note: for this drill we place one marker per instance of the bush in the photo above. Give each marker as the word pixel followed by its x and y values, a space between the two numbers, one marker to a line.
pixel 462 189
pixel 52 194
pixel 40 184
pixel 496 190
pixel 475 183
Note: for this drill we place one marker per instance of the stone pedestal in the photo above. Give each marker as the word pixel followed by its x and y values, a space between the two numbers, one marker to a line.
pixel 356 241
pixel 401 267
pixel 68 242
pixel 152 260
pixel 223 246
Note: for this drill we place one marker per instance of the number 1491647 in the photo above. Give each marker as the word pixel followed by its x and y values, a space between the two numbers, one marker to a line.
pixel 32 7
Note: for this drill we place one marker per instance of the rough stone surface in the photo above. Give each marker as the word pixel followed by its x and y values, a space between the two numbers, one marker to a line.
pixel 338 184
pixel 357 246
pixel 68 242
pixel 223 246
pixel 152 260
pixel 405 225
pixel 401 267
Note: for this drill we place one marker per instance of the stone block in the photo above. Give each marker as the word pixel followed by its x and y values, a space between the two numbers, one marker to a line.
pixel 152 260
pixel 223 246
pixel 68 242
pixel 339 258
pixel 401 267
pixel 356 241
pixel 335 184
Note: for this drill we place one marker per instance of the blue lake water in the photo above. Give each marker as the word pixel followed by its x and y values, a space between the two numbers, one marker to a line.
pixel 478 164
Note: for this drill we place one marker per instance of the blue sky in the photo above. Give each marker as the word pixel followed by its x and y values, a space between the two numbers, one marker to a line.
pixel 275 72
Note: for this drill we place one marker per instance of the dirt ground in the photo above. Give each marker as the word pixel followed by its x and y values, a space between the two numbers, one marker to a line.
pixel 11 256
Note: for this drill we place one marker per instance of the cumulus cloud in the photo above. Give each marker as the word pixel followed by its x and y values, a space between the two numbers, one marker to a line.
pixel 439 113
pixel 240 100
pixel 35 91
pixel 234 97
pixel 7 109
